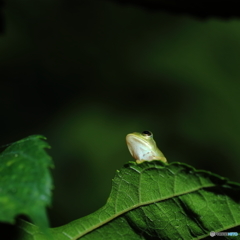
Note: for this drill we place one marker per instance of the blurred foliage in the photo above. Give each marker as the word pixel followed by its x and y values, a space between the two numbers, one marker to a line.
pixel 86 73
pixel 26 183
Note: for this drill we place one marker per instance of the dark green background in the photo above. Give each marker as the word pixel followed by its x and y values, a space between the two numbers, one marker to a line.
pixel 86 73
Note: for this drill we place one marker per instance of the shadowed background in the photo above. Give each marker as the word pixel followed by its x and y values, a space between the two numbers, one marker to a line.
pixel 84 74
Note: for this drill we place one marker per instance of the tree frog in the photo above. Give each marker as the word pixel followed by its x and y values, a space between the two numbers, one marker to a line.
pixel 143 147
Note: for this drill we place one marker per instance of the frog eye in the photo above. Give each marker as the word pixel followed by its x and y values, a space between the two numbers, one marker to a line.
pixel 147 133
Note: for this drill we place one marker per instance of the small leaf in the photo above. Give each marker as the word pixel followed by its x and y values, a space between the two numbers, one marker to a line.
pixel 153 200
pixel 25 181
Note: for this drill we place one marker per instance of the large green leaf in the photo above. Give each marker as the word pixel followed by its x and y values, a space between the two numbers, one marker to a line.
pixel 25 180
pixel 153 200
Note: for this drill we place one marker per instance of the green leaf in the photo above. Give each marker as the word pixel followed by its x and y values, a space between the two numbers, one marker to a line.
pixel 153 200
pixel 25 182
